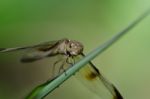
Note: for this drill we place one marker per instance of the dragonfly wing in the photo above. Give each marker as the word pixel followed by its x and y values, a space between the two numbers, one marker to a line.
pixel 32 55
pixel 96 82
pixel 41 46
pixel 34 52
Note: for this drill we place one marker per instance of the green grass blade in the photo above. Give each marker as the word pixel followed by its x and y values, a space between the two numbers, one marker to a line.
pixel 44 89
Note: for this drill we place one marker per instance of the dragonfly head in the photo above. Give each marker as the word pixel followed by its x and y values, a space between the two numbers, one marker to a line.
pixel 74 48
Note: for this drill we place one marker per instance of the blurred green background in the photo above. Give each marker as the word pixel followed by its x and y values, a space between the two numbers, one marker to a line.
pixel 125 64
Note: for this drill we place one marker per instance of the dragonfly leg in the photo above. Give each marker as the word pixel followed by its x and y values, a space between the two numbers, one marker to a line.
pixel 53 76
pixel 56 73
pixel 68 62
pixel 62 68
pixel 71 63
pixel 73 60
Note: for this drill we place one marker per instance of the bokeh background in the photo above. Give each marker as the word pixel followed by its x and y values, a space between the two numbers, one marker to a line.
pixel 125 64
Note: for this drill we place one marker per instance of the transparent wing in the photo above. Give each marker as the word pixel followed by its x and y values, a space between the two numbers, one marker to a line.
pixel 42 46
pixel 34 52
pixel 32 55
pixel 96 82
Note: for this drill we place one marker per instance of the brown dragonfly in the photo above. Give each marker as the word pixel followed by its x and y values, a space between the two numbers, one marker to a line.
pixel 68 52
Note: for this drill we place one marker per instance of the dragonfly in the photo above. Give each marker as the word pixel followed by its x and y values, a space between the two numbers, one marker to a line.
pixel 67 52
